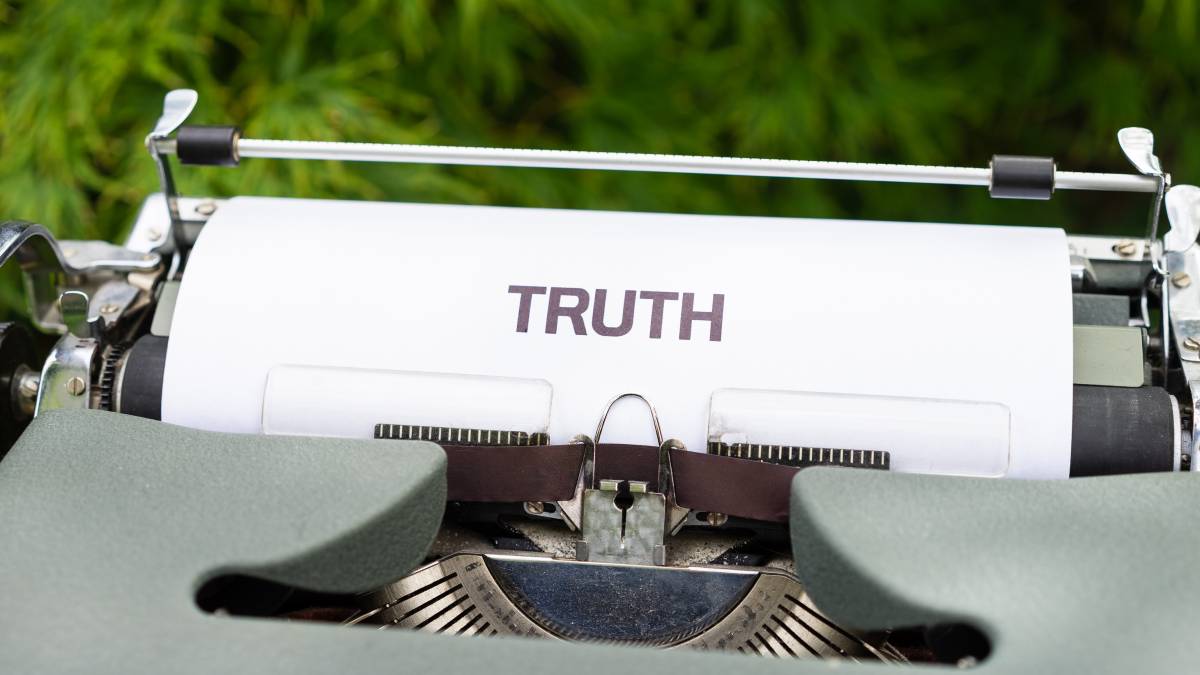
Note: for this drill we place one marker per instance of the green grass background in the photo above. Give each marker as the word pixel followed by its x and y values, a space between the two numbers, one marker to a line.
pixel 916 81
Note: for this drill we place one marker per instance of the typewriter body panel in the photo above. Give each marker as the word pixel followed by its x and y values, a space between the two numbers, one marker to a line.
pixel 607 428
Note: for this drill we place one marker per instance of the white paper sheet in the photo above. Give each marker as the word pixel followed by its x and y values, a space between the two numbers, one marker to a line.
pixel 958 313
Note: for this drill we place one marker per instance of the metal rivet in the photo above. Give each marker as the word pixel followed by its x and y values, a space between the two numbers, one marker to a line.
pixel 206 208
pixel 1192 344
pixel 1181 280
pixel 1125 247
pixel 109 308
pixel 75 386
pixel 535 508
pixel 154 233
pixel 716 519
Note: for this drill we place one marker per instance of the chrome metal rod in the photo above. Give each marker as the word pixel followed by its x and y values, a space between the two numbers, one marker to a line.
pixel 624 161
pixel 1104 182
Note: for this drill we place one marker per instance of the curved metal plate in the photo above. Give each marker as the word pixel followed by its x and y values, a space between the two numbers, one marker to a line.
pixel 704 608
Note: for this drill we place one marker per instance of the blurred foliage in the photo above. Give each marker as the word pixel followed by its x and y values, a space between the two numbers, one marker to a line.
pixel 921 81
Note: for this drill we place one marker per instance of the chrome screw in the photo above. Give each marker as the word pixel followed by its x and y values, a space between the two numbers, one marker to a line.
pixel 1181 280
pixel 206 208
pixel 27 391
pixel 535 508
pixel 1125 248
pixel 109 308
pixel 1192 344
pixel 75 386
pixel 29 385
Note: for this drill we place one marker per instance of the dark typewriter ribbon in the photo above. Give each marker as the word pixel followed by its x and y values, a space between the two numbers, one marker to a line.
pixel 549 473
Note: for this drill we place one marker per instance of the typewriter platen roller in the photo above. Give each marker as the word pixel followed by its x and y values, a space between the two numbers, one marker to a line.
pixel 624 400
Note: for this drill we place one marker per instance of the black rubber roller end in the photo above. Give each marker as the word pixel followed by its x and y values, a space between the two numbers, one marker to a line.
pixel 1119 430
pixel 208 146
pixel 140 380
pixel 1017 177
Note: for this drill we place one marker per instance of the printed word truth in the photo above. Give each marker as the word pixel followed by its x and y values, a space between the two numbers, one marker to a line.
pixel 577 310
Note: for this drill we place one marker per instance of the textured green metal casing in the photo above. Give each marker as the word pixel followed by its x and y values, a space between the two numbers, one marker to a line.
pixel 1088 575
pixel 109 524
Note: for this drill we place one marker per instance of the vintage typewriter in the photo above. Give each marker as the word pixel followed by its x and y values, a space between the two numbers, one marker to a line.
pixel 261 430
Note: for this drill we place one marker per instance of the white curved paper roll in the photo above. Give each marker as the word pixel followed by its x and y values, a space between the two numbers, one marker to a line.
pixel 692 305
